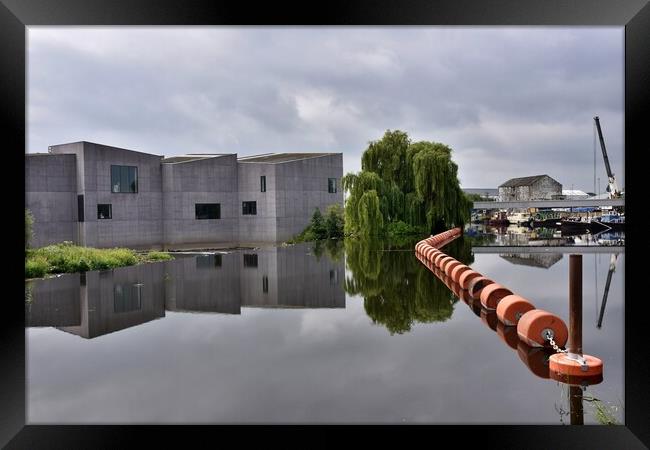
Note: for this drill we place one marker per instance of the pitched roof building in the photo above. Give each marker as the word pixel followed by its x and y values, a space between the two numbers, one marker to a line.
pixel 536 187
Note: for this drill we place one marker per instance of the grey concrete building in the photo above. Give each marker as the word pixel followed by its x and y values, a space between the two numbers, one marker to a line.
pixel 537 187
pixel 97 303
pixel 101 196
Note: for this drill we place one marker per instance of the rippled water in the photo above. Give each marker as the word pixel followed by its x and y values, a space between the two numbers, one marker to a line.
pixel 354 333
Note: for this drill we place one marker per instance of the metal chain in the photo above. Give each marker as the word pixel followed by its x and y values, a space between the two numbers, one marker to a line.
pixel 554 345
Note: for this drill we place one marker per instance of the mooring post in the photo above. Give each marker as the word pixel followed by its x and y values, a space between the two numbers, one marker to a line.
pixel 574 348
pixel 575 305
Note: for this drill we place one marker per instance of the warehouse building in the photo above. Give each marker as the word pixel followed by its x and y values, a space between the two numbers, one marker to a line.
pixel 102 196
pixel 537 187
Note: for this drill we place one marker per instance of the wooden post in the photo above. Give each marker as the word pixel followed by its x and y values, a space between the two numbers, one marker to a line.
pixel 575 304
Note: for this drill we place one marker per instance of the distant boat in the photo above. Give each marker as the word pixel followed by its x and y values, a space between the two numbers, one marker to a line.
pixel 517 218
pixel 615 222
pixel 499 219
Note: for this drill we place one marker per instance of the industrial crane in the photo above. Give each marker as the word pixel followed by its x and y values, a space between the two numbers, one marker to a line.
pixel 612 188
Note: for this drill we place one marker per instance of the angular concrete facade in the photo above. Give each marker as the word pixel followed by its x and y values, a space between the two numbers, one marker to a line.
pixel 97 303
pixel 73 195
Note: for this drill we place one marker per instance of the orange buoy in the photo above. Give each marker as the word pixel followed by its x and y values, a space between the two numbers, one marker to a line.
pixel 489 318
pixel 535 325
pixel 445 262
pixel 455 289
pixel 463 295
pixel 492 294
pixel 477 284
pixel 475 306
pixel 535 358
pixel 428 254
pixel 570 369
pixel 437 258
pixel 466 277
pixel 451 267
pixel 508 335
pixel 457 271
pixel 511 308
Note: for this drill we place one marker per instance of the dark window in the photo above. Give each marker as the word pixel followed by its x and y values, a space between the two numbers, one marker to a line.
pixel 249 208
pixel 334 277
pixel 250 260
pixel 208 210
pixel 265 284
pixel 127 297
pixel 331 185
pixel 208 261
pixel 80 207
pixel 124 179
pixel 104 211
pixel 263 183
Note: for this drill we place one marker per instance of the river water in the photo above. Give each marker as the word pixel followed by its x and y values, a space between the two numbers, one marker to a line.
pixel 337 333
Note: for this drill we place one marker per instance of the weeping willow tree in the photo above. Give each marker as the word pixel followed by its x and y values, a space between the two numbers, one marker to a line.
pixel 399 291
pixel 415 183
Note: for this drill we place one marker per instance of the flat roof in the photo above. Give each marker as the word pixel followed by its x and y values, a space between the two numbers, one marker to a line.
pixel 192 157
pixel 274 158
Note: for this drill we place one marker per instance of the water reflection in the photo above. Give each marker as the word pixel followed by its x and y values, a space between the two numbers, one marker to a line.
pixel 101 302
pixel 541 260
pixel 514 235
pixel 397 289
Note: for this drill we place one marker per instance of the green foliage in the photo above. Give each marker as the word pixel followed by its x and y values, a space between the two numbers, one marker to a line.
pixel 399 291
pixel 158 256
pixel 68 258
pixel 36 267
pixel 334 221
pixel 29 227
pixel 415 183
pixel 371 221
pixel 329 227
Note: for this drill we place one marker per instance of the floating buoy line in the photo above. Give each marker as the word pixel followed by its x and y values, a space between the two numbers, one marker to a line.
pixel 537 335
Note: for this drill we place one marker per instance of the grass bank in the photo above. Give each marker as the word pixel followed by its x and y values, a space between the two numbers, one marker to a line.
pixel 68 258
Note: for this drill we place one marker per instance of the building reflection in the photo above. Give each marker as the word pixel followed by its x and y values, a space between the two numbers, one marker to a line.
pixel 541 260
pixel 100 302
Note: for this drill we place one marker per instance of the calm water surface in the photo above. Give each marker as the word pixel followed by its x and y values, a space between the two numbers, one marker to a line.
pixel 360 333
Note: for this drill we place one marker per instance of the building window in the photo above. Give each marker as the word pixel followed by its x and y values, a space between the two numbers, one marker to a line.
pixel 265 284
pixel 104 211
pixel 127 297
pixel 249 208
pixel 263 183
pixel 250 260
pixel 80 207
pixel 334 277
pixel 208 261
pixel 207 210
pixel 331 185
pixel 124 179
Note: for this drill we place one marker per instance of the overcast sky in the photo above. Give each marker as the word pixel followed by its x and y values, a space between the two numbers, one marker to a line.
pixel 510 101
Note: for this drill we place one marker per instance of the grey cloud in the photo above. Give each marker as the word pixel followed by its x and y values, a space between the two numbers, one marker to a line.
pixel 522 99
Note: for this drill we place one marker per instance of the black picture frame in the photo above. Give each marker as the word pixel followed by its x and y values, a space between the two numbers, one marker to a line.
pixel 634 15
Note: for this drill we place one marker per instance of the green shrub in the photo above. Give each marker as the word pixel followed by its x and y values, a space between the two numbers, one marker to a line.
pixel 158 256
pixel 36 267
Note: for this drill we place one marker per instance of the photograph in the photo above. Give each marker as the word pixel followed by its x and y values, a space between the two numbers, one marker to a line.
pixel 318 225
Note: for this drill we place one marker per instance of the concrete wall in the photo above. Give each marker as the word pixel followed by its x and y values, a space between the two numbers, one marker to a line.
pixel 51 196
pixel 101 310
pixel 262 226
pixel 212 180
pixel 53 302
pixel 136 217
pixel 200 284
pixel 301 188
pixel 162 212
pixel 296 279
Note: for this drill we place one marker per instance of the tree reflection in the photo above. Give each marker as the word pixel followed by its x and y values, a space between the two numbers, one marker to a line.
pixel 398 290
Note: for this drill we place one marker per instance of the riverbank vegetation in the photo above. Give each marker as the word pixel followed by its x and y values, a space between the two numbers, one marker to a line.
pixel 404 188
pixel 68 258
pixel 322 227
